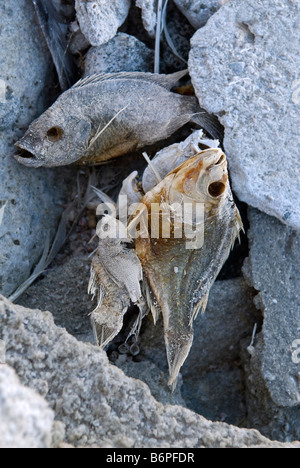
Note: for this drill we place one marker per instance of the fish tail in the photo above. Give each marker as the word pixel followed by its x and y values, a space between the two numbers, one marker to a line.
pixel 104 333
pixel 209 123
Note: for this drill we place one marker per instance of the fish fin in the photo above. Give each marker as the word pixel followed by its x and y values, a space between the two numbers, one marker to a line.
pixel 113 303
pixel 93 286
pixel 122 266
pixel 104 333
pixel 200 306
pixel 103 197
pixel 178 348
pixel 238 226
pixel 152 304
pixel 101 130
pixel 210 124
pixel 152 168
pixel 166 81
pixel 136 328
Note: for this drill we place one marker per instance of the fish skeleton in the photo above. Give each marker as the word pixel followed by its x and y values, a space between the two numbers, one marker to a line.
pixel 177 273
pixel 108 115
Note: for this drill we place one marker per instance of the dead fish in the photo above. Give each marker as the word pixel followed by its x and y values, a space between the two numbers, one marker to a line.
pixel 179 278
pixel 53 16
pixel 108 115
pixel 116 275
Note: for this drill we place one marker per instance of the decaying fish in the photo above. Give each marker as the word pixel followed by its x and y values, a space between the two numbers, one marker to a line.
pixel 172 156
pixel 178 276
pixel 108 115
pixel 116 274
pixel 178 271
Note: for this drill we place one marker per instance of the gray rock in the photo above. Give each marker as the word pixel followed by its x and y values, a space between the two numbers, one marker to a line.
pixel 273 269
pixel 95 400
pixel 100 19
pixel 149 15
pixel 31 197
pixel 26 421
pixel 199 11
pixel 273 421
pixel 252 84
pixel 122 53
pixel 78 42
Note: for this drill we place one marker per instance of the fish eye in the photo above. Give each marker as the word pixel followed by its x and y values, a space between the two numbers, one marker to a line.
pixel 216 189
pixel 55 134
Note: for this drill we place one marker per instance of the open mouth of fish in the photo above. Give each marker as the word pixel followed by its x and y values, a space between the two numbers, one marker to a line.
pixel 27 158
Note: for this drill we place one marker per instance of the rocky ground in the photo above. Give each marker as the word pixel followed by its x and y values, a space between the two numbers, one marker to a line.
pixel 240 386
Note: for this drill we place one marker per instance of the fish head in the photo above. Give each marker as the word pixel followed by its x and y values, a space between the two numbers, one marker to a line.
pixel 202 178
pixel 56 138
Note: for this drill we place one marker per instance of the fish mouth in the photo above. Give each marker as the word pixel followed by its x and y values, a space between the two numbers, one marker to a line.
pixel 214 157
pixel 27 158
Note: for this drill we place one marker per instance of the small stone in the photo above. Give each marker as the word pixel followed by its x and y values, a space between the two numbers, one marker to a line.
pixel 122 53
pixel 100 19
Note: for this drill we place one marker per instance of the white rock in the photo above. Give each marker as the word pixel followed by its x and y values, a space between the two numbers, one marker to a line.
pixel 100 19
pixel 26 420
pixel 244 66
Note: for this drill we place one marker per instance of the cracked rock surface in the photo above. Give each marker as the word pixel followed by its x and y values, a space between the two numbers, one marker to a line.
pixel 95 401
pixel 274 373
pixel 244 66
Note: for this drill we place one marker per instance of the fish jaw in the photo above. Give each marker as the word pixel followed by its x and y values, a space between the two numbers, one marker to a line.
pixel 26 157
